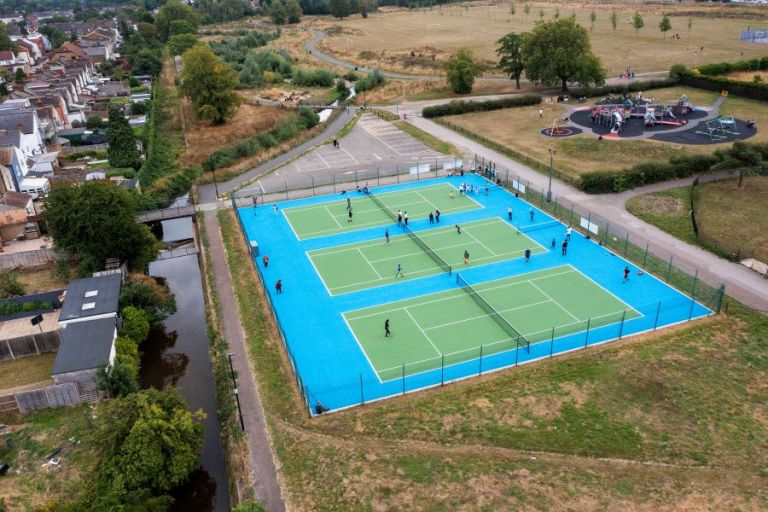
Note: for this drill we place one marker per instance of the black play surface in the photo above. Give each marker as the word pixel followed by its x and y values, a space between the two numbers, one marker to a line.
pixel 632 128
pixel 691 137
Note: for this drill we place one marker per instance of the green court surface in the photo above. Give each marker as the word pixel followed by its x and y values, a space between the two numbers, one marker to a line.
pixel 330 218
pixel 450 327
pixel 362 265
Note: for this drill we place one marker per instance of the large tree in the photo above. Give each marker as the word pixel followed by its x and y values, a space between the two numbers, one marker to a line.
pixel 638 22
pixel 558 52
pixel 510 53
pixel 293 10
pixel 95 221
pixel 339 8
pixel 461 69
pixel 209 83
pixel 122 150
pixel 149 440
pixel 277 13
pixel 665 25
pixel 5 39
pixel 173 10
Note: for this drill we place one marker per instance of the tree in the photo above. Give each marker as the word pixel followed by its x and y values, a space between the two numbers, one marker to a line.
pixel 179 27
pixel 120 379
pixel 144 292
pixel 5 39
pixel 592 19
pixel 510 53
pixel 461 69
pixel 93 122
pixel 181 43
pixel 135 324
pixel 559 51
pixel 277 12
pixel 173 10
pixel 665 25
pixel 338 8
pixel 122 149
pixel 146 62
pixel 19 75
pixel 294 12
pixel 149 441
pixel 637 22
pixel 55 36
pixel 614 19
pixel 96 220
pixel 147 31
pixel 209 83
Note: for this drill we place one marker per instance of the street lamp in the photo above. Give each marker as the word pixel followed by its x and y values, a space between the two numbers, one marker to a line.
pixel 215 185
pixel 551 159
pixel 237 394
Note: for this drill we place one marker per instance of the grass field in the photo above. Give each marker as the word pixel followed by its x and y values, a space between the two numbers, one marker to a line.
pixel 729 218
pixel 363 265
pixel 664 422
pixel 583 153
pixel 331 218
pixel 450 327
pixel 389 37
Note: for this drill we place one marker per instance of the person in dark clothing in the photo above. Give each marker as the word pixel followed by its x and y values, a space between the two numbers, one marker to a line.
pixel 527 255
pixel 565 247
pixel 279 286
pixel 387 332
pixel 437 216
pixel 626 274
pixel 431 218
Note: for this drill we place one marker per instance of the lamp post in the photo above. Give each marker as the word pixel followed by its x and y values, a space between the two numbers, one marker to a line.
pixel 215 185
pixel 237 394
pixel 551 159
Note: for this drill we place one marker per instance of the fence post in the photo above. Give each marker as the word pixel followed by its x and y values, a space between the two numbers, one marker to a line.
pixel 541 203
pixel 378 176
pixel 607 235
pixel 442 369
pixel 355 178
pixel 403 378
pixel 656 321
pixel 626 243
pixel 571 222
pixel 334 182
pixel 362 396
pixel 586 337
pixel 552 342
pixel 645 256
pixel 589 225
pixel 621 327
pixel 286 189
pixel 313 185
pixel 693 294
pixel 669 269
pixel 517 349
pixel 480 366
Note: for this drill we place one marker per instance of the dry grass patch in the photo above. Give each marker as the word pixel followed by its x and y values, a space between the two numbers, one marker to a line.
pixel 41 280
pixel 391 34
pixel 26 370
pixel 203 139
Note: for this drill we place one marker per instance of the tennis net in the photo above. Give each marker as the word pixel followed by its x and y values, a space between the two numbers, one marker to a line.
pixel 424 247
pixel 541 225
pixel 493 313
pixel 381 205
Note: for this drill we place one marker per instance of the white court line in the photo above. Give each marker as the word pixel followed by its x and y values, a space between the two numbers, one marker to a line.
pixel 318 273
pixel 605 289
pixel 481 243
pixel 346 321
pixel 553 300
pixel 422 331
pixel 369 263
pixel 454 296
pixel 333 217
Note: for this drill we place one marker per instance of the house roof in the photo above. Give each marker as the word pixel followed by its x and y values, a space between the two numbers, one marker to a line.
pixel 15 199
pixel 7 55
pixel 8 140
pixel 11 120
pixel 90 297
pixel 84 346
pixel 70 47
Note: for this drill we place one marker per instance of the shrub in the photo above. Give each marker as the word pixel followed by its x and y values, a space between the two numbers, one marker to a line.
pixel 463 107
pixel 10 285
pixel 309 117
pixel 135 324
pixel 374 79
pixel 313 78
pixel 125 172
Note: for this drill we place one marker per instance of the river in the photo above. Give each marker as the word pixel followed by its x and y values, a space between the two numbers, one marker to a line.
pixel 178 355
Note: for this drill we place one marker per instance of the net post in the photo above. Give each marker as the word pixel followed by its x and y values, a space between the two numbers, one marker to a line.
pixel 442 369
pixel 669 269
pixel 645 256
pixel 403 378
pixel 586 337
pixel 656 321
pixel 362 396
pixel 621 327
pixel 720 296
pixel 517 349
pixel 480 363
pixel 571 222
pixel 626 244
pixel 693 294
pixel 552 342
pixel 378 176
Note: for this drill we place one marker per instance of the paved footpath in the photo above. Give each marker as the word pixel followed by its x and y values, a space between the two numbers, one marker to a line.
pixel 260 456
pixel 741 283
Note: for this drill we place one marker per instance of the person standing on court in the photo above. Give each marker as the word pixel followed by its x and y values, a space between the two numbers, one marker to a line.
pixel 431 218
pixel 386 235
pixel 405 218
pixel 466 257
pixel 399 272
pixel 568 232
pixel 565 247
pixel 279 286
pixel 399 217
pixel 458 229
pixel 626 274
pixel 533 214
pixel 553 243
pixel 437 216
pixel 541 112
pixel 387 333
pixel 350 215
pixel 527 255
pixel 265 260
pixel 509 212
pixel 349 204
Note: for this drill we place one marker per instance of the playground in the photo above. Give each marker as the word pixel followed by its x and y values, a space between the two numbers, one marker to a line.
pixel 678 121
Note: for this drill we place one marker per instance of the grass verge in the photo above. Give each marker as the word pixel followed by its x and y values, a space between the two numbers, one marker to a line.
pixel 634 422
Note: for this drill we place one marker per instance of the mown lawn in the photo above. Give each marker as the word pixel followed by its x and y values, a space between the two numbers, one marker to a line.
pixel 26 370
pixel 671 421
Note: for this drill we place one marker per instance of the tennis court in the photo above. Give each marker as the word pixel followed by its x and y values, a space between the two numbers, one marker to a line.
pixel 450 327
pixel 330 218
pixel 426 252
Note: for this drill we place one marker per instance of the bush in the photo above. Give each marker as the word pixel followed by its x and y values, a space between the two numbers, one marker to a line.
pixel 463 107
pixel 374 79
pixel 10 285
pixel 125 172
pixel 135 324
pixel 140 108
pixel 313 78
pixel 93 122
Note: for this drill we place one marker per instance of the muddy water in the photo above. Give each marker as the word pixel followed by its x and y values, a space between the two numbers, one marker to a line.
pixel 178 356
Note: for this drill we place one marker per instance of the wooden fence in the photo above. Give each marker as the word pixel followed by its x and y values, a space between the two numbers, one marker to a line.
pixel 34 258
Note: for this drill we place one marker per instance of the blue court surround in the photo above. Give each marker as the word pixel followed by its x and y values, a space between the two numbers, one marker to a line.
pixel 332 368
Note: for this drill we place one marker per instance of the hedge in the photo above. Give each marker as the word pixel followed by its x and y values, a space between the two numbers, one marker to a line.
pixel 463 107
pixel 723 68
pixel 629 86
pixel 10 308
pixel 751 90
